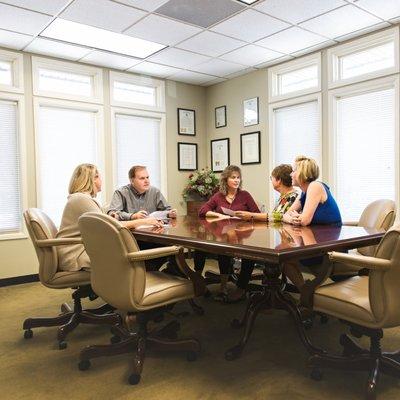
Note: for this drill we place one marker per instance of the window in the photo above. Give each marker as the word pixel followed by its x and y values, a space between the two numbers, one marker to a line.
pixel 11 71
pixel 10 183
pixel 369 57
pixel 6 73
pixel 62 130
pixel 137 142
pixel 139 92
pixel 64 80
pixel 295 78
pixel 365 149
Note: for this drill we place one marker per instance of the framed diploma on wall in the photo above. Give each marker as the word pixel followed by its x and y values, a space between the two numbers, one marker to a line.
pixel 250 111
pixel 187 156
pixel 186 122
pixel 250 149
pixel 220 117
pixel 219 154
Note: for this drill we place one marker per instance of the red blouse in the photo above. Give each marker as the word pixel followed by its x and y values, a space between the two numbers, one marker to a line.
pixel 242 202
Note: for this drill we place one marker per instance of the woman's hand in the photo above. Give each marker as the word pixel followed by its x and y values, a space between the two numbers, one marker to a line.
pixel 152 221
pixel 292 217
pixel 246 215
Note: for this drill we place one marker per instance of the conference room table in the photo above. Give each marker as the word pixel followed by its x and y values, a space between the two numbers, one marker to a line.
pixel 269 243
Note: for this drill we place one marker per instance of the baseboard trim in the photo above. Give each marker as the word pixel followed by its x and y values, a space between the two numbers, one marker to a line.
pixel 18 280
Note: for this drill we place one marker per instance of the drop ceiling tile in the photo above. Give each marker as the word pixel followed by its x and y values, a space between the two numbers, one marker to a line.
pixel 200 12
pixel 14 40
pixel 109 60
pixel 340 22
pixel 57 49
pixel 251 55
pixel 240 73
pixel 161 30
pixel 148 5
pixel 391 8
pixel 295 11
pixel 274 62
pixel 214 82
pixel 363 31
pixel 193 78
pixel 311 49
pixel 218 67
pixel 51 7
pixel 210 44
pixel 154 69
pixel 178 58
pixel 291 40
pixel 102 14
pixel 22 21
pixel 250 25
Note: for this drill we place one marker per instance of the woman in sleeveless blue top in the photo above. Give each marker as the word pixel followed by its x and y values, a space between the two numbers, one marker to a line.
pixel 316 205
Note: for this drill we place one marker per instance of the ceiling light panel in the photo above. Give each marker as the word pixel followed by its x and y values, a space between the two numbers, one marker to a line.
pixel 57 49
pixel 250 25
pixel 218 67
pixel 340 22
pixel 291 40
pixel 14 40
pixel 251 55
pixel 391 8
pixel 51 7
pixel 295 11
pixel 154 69
pixel 211 44
pixel 103 14
pixel 22 21
pixel 102 39
pixel 162 30
pixel 199 12
pixel 178 58
pixel 148 5
pixel 109 60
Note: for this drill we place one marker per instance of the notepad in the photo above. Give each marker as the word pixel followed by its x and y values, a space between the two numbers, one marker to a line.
pixel 228 211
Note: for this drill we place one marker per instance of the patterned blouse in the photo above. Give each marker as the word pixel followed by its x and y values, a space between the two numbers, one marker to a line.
pixel 284 203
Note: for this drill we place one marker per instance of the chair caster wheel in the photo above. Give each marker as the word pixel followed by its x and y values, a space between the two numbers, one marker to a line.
pixel 236 324
pixel 28 334
pixel 115 339
pixel 233 353
pixel 62 345
pixel 324 319
pixel 134 379
pixel 316 374
pixel 84 365
pixel 191 356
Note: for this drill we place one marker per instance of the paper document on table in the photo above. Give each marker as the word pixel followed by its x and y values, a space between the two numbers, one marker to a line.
pixel 228 211
pixel 159 214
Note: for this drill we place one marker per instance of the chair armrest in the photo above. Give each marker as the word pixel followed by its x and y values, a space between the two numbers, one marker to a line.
pixel 150 254
pixel 361 261
pixel 350 223
pixel 58 242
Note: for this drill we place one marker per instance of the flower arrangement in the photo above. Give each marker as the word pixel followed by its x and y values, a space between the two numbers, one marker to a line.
pixel 202 184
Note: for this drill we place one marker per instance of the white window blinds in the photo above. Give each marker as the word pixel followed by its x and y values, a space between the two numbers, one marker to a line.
pixel 10 191
pixel 296 132
pixel 365 151
pixel 137 143
pixel 65 138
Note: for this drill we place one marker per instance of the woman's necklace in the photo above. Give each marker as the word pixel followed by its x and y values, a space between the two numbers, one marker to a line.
pixel 230 197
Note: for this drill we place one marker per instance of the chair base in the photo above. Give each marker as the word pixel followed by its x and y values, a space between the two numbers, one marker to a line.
pixel 70 318
pixel 124 341
pixel 356 358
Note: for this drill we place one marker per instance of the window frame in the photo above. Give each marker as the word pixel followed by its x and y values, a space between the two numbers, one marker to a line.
pixel 355 46
pixel 64 66
pixel 17 70
pixel 73 105
pixel 139 80
pixel 20 100
pixel 163 144
pixel 389 82
pixel 290 66
pixel 271 132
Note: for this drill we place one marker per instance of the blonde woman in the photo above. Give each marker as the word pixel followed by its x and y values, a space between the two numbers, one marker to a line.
pixel 84 185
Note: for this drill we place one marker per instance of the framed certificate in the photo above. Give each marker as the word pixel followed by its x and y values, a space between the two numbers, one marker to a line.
pixel 186 122
pixel 250 111
pixel 219 154
pixel 250 149
pixel 220 117
pixel 187 156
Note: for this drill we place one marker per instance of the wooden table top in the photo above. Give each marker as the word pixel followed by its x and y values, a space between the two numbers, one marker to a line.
pixel 273 242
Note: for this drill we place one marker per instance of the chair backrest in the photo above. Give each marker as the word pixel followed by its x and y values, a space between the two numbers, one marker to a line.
pixel 41 227
pixel 379 214
pixel 384 285
pixel 114 278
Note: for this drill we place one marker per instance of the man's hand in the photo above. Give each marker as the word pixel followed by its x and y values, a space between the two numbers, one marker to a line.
pixel 172 213
pixel 140 214
pixel 114 215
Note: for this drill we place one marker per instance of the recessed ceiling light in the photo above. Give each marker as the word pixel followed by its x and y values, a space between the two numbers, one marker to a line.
pixel 248 1
pixel 74 32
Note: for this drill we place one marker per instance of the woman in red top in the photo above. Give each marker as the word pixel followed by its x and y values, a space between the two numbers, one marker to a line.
pixel 232 197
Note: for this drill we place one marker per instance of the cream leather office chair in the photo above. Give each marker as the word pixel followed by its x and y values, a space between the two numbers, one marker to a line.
pixel 119 276
pixel 379 214
pixel 43 234
pixel 368 304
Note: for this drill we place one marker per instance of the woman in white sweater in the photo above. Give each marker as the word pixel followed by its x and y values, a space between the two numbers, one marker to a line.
pixel 84 185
